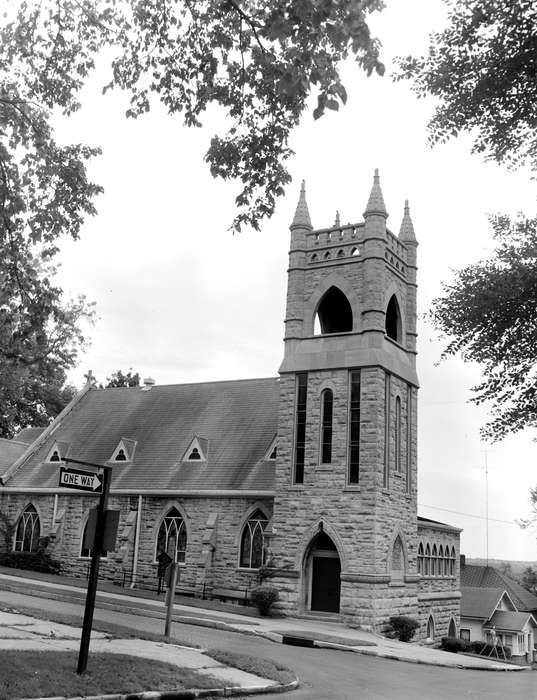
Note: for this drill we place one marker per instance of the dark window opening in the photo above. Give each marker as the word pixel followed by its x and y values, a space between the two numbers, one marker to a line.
pixel 324 543
pixel 195 454
pixel 397 440
pixel 334 312
pixel 55 456
pixel 354 429
pixel 327 408
pixel 300 423
pixel 121 457
pixel 393 320
pixel 274 453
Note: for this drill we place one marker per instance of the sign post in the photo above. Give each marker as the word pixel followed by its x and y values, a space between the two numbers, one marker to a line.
pixel 97 545
pixel 171 575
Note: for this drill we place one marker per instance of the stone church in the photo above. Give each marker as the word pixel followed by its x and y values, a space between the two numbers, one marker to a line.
pixel 309 479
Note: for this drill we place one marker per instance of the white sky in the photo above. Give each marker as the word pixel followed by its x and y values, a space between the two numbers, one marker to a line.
pixel 181 299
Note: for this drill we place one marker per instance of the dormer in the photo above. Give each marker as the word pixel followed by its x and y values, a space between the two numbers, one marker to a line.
pixel 124 451
pixel 197 451
pixel 271 453
pixel 57 452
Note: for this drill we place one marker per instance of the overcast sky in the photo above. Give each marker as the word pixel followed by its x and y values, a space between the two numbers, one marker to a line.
pixel 181 299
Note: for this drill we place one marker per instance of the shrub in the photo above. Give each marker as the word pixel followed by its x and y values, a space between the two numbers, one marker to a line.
pixel 454 644
pixel 264 597
pixel 33 561
pixel 404 627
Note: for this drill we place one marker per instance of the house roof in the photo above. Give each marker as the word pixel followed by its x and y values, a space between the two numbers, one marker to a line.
pixel 28 435
pixel 510 621
pixel 480 602
pixel 427 522
pixel 10 451
pixel 489 577
pixel 237 418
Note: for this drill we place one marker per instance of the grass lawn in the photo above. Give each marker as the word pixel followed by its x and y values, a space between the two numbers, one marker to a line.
pixel 34 674
pixel 114 630
pixel 260 667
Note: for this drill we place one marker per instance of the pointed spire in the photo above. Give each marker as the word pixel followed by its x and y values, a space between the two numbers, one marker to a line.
pixel 337 221
pixel 406 232
pixel 302 215
pixel 376 205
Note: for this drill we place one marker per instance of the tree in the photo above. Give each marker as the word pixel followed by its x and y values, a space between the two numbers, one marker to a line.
pixel 122 379
pixel 529 579
pixel 488 311
pixel 256 60
pixel 481 68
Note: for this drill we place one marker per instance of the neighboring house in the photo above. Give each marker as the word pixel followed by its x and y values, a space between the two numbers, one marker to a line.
pixel 489 577
pixel 312 474
pixel 490 612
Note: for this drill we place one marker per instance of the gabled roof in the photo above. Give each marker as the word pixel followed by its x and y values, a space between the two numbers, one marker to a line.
pixel 489 577
pixel 28 435
pixel 509 621
pixel 480 602
pixel 10 451
pixel 238 418
pixel 427 522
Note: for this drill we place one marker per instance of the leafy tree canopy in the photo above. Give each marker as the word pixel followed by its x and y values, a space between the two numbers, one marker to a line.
pixel 122 379
pixel 489 312
pixel 482 70
pixel 256 59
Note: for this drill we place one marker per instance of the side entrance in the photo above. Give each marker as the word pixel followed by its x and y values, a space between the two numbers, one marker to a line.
pixel 323 575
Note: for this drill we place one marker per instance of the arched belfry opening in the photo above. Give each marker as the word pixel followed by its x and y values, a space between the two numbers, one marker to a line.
pixel 322 575
pixel 393 320
pixel 334 313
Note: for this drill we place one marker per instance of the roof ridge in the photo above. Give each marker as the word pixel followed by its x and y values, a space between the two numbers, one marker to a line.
pixel 216 381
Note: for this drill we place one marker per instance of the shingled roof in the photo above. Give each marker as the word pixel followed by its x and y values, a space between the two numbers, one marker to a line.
pixel 237 419
pixel 489 577
pixel 480 602
pixel 10 451
pixel 508 621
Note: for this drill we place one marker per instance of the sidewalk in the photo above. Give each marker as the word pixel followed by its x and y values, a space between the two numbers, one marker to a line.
pixel 24 632
pixel 322 634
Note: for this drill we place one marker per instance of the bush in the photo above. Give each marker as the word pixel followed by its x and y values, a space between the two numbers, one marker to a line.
pixel 404 627
pixel 264 597
pixel 33 561
pixel 454 644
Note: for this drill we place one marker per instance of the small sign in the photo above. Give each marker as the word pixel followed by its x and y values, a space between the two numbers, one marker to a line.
pixel 83 481
pixel 111 525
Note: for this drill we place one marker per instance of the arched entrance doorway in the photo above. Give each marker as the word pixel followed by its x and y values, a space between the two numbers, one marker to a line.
pixel 323 569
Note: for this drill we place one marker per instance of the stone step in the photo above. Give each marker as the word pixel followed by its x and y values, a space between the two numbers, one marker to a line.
pixel 318 616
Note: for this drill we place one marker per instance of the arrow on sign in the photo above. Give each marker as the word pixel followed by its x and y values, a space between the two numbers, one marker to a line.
pixel 83 481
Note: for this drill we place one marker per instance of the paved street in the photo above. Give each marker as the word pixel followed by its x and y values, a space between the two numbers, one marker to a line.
pixel 327 674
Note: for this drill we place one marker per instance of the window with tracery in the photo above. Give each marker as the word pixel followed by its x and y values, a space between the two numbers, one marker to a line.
pixel 172 536
pixel 252 554
pixel 28 530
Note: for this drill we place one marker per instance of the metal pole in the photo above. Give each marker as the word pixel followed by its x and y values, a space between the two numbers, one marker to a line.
pixel 94 572
pixel 169 599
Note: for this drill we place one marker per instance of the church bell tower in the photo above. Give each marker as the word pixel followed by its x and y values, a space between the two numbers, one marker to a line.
pixel 344 528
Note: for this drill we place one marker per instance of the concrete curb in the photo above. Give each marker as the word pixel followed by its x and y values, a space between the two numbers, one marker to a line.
pixel 266 634
pixel 227 692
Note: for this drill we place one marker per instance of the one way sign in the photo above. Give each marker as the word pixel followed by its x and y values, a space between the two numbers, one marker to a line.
pixel 83 481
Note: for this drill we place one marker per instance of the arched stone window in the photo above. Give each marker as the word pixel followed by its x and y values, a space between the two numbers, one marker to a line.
pixel 427 561
pixel 334 312
pixel 452 629
pixel 430 629
pixel 393 320
pixel 252 554
pixel 327 410
pixel 420 558
pixel 172 536
pixel 28 531
pixel 441 562
pixel 398 560
pixel 452 562
pixel 434 562
pixel 446 561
